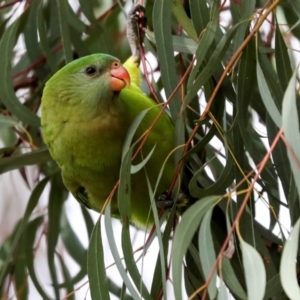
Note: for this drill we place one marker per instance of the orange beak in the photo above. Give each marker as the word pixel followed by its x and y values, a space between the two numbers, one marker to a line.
pixel 119 77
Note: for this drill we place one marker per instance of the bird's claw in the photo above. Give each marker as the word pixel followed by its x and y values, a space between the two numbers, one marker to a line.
pixel 164 202
pixel 138 15
pixel 136 20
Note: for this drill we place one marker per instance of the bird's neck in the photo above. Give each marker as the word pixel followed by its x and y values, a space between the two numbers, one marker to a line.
pixel 103 108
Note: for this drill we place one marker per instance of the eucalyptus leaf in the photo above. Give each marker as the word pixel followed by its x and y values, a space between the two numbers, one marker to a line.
pixel 187 46
pixel 96 268
pixel 288 275
pixel 180 44
pixel 290 124
pixel 183 236
pixel 207 253
pixel 254 272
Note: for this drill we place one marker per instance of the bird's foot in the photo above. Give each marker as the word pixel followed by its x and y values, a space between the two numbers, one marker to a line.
pixel 164 202
pixel 137 14
pixel 182 200
pixel 136 21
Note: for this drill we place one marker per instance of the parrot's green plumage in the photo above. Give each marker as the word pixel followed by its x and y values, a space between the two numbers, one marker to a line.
pixel 87 108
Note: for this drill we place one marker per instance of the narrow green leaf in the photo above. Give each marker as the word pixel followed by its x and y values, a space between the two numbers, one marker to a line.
pixel 283 63
pixel 158 276
pixel 162 25
pixel 212 65
pixel 74 247
pixel 158 222
pixel 32 203
pixel 124 190
pixel 53 18
pixel 207 252
pixel 273 287
pixel 184 234
pixel 280 158
pixel 116 255
pixel 193 275
pixel 293 201
pixel 136 168
pixel 30 235
pixel 200 14
pixel 7 150
pixel 182 18
pixel 205 43
pixel 39 156
pixel 222 294
pixel 131 264
pixel 32 43
pixel 271 76
pixel 79 45
pixel 202 141
pixel 71 240
pixel 89 223
pixel 7 94
pixel 132 130
pixel 288 274
pixel 96 268
pixel 180 43
pixel 292 17
pixel 290 124
pixel 87 8
pixel 124 205
pixel 21 278
pixel 252 141
pixel 56 199
pixel 74 20
pixel 226 177
pixel 7 121
pixel 157 229
pixel 22 63
pixel 117 290
pixel 255 272
pixel 246 12
pixel 67 277
pixel 64 29
pixel 267 96
pixel 6 261
pixel 231 279
pixel 44 40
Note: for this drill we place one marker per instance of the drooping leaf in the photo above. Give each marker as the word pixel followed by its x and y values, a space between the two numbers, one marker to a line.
pixel 7 95
pixel 288 274
pixel 161 22
pixel 254 272
pixel 183 236
pixel 96 267
pixel 207 252
pixel 290 124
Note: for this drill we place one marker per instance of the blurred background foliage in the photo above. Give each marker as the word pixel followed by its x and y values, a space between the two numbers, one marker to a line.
pixel 229 69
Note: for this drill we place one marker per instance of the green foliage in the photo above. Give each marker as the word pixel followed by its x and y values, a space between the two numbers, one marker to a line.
pixel 224 76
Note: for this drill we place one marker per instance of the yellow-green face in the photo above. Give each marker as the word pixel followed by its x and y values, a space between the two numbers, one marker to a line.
pixel 84 86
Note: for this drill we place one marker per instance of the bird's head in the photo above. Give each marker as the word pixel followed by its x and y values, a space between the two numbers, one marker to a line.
pixel 89 85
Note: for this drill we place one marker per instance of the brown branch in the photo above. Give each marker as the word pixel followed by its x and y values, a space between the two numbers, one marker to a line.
pixel 58 47
pixel 10 4
pixel 240 212
pixel 236 56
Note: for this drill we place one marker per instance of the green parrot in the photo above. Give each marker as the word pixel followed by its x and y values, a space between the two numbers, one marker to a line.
pixel 87 109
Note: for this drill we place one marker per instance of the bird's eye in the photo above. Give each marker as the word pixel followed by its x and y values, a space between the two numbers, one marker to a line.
pixel 90 70
pixel 116 64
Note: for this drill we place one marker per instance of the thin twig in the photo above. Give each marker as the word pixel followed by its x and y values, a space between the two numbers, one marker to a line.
pixel 236 56
pixel 239 214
